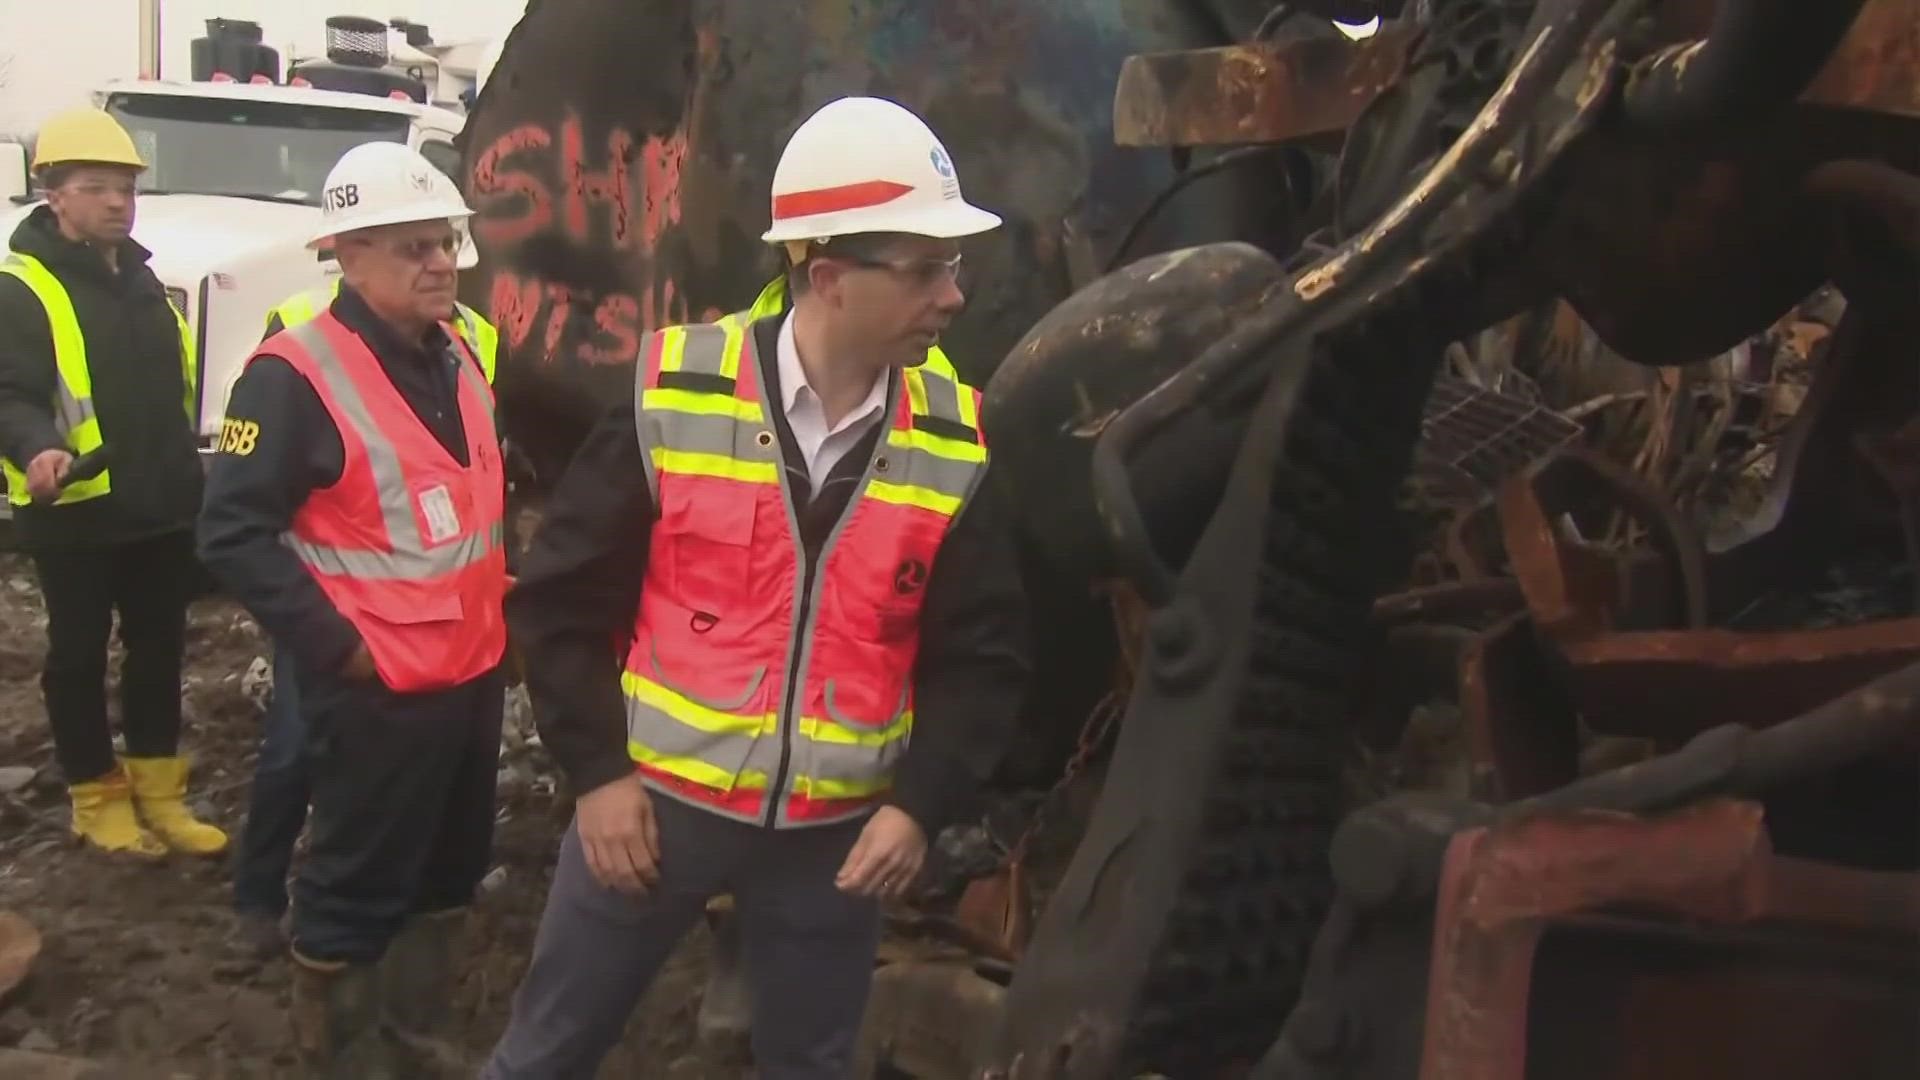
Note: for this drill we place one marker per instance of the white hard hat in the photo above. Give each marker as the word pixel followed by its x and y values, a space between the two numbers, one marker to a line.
pixel 385 183
pixel 865 164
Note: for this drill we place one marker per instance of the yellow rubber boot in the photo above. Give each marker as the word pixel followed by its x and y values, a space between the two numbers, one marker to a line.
pixel 103 816
pixel 159 790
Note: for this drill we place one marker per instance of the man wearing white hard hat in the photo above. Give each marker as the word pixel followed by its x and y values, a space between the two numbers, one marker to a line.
pixel 356 508
pixel 823 632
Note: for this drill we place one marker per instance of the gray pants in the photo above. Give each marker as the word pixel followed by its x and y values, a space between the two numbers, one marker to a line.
pixel 809 948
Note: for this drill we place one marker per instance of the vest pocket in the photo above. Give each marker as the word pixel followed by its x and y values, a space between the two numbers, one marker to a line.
pixel 864 703
pixel 683 659
pixel 705 546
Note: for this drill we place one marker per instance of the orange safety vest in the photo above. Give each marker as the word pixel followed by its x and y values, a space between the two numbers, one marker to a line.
pixel 408 544
pixel 747 674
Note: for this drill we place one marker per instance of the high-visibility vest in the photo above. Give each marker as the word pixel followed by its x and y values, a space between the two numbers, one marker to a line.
pixel 73 415
pixel 746 674
pixel 409 544
pixel 479 334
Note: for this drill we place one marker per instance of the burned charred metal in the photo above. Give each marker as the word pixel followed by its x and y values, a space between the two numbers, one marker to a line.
pixel 1448 911
pixel 1534 135
pixel 1192 896
pixel 1245 399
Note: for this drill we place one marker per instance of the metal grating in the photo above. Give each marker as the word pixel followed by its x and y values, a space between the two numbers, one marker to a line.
pixel 1472 438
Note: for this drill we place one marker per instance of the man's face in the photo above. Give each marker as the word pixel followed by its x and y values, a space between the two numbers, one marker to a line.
pixel 894 297
pixel 95 203
pixel 405 270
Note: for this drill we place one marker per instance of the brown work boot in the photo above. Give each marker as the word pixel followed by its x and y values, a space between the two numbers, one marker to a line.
pixel 417 978
pixel 336 1020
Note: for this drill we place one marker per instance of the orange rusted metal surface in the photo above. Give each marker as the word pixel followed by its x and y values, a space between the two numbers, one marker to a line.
pixel 1598 945
pixel 1253 93
pixel 1523 736
pixel 1266 92
pixel 1671 685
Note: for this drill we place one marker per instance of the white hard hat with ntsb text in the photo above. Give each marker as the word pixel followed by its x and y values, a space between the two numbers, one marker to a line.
pixel 385 183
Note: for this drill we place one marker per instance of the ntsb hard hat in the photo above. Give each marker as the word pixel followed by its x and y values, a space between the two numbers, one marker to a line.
pixel 385 183
pixel 864 165
pixel 84 136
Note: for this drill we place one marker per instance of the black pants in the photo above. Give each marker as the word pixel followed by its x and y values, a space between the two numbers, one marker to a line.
pixel 402 820
pixel 277 808
pixel 150 583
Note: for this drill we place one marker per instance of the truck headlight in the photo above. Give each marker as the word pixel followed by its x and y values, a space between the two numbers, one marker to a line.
pixel 178 298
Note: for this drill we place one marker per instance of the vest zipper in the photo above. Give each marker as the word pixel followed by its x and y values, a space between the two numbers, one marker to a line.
pixel 777 790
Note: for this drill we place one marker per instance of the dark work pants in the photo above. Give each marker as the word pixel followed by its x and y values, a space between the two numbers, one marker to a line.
pixel 809 948
pixel 149 582
pixel 277 808
pixel 402 820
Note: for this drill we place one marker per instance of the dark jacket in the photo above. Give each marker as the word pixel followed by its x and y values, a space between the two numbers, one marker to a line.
pixel 133 357
pixel 295 448
pixel 579 590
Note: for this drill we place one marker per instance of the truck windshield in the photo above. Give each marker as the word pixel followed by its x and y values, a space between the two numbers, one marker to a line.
pixel 253 149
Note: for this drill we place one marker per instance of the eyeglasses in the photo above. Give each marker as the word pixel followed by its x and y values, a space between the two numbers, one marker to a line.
pixel 420 249
pixel 97 188
pixel 924 273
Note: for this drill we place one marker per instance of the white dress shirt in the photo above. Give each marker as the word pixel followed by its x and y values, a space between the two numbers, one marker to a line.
pixel 820 447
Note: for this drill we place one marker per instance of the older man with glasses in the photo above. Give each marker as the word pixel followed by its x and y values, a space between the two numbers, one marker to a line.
pixel 356 508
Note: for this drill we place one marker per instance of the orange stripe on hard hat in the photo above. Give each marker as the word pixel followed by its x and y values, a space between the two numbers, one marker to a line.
pixel 830 200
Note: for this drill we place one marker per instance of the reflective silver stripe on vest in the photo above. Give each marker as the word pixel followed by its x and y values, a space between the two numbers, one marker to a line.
pixel 410 559
pixel 939 462
pixel 719 431
pixel 468 361
pixel 69 411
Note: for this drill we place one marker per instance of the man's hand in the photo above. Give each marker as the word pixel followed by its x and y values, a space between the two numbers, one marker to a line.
pixel 619 835
pixel 886 858
pixel 45 472
pixel 360 665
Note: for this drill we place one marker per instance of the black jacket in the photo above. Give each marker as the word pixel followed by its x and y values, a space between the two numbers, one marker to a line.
pixel 579 589
pixel 133 357
pixel 294 449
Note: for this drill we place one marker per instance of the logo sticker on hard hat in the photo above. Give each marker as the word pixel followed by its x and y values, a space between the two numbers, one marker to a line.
pixel 421 182
pixel 950 184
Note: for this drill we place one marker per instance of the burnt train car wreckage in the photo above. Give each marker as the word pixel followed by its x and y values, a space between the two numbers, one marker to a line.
pixel 1218 417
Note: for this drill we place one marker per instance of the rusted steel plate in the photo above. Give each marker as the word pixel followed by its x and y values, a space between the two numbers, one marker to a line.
pixel 1522 730
pixel 1269 92
pixel 1672 685
pixel 1877 67
pixel 1540 971
pixel 1253 93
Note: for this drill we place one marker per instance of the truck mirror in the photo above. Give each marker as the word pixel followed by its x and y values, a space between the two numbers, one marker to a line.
pixel 14 183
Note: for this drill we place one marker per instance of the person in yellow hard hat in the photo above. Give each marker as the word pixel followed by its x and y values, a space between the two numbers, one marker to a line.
pixel 97 402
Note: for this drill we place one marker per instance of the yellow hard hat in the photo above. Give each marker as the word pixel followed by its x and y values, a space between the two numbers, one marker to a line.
pixel 86 135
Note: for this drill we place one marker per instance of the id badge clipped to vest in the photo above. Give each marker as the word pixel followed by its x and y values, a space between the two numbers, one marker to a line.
pixel 436 509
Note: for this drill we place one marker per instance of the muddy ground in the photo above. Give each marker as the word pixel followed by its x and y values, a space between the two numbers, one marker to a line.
pixel 139 970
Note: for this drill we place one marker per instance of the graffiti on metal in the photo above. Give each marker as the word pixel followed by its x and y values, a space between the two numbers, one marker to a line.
pixel 574 188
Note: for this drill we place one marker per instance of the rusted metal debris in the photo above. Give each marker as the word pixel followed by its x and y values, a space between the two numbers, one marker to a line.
pixel 1472 438
pixel 1732 956
pixel 1635 923
pixel 1253 93
pixel 1266 92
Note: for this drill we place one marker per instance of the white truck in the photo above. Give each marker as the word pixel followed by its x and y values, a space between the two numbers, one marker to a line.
pixel 232 193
